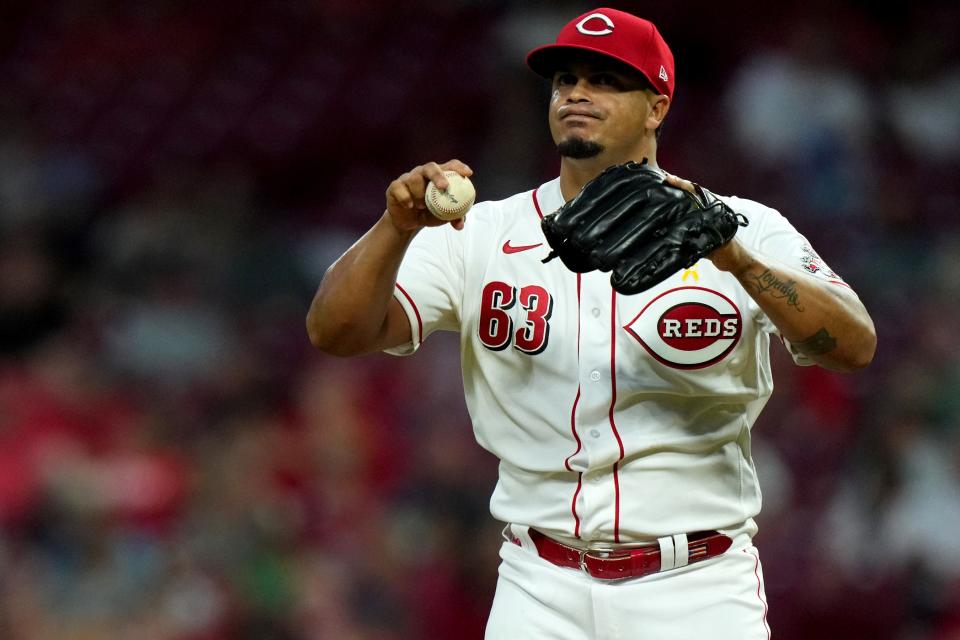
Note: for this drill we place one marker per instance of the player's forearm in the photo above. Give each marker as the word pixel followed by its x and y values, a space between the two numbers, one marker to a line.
pixel 824 321
pixel 349 311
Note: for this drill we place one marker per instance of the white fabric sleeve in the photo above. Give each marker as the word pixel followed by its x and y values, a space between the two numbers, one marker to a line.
pixel 780 240
pixel 772 235
pixel 430 284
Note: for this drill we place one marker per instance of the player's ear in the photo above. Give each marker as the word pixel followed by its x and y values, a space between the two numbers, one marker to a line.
pixel 659 105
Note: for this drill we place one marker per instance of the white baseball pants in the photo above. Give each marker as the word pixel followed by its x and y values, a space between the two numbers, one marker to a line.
pixel 720 598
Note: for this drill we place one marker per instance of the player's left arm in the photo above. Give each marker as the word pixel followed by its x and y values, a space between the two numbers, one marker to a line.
pixel 822 320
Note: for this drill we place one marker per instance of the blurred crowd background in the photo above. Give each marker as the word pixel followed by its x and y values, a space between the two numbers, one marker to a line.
pixel 176 463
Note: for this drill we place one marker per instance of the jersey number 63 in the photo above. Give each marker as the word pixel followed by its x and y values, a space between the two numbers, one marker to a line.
pixel 496 330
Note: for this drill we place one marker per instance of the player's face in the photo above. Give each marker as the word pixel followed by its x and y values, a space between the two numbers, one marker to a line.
pixel 598 106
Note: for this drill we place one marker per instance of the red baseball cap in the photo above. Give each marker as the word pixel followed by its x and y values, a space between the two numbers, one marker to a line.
pixel 619 35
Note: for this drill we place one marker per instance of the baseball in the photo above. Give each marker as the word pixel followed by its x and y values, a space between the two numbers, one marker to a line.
pixel 453 202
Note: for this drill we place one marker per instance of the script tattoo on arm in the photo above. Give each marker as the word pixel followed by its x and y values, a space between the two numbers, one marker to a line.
pixel 819 343
pixel 780 289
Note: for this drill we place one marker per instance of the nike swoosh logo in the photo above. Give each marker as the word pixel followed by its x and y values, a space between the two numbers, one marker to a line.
pixel 508 248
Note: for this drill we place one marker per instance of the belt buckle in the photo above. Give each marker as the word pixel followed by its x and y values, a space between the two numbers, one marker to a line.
pixel 598 553
pixel 583 561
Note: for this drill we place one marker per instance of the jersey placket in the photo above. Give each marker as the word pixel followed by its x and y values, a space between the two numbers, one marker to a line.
pixel 595 418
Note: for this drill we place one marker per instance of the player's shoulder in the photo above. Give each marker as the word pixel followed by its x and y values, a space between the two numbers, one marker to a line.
pixel 751 209
pixel 762 220
pixel 485 219
pixel 525 205
pixel 522 202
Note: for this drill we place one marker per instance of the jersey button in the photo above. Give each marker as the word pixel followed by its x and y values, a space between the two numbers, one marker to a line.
pixel 596 312
pixel 594 375
pixel 595 433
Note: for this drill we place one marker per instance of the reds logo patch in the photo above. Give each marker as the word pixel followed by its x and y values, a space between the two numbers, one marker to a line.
pixel 688 327
pixel 813 263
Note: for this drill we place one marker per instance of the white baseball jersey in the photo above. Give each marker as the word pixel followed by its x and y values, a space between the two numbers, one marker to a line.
pixel 616 418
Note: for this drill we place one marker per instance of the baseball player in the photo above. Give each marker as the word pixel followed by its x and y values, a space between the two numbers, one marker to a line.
pixel 617 385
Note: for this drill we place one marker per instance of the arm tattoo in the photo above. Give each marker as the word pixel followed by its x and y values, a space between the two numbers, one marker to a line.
pixel 786 290
pixel 819 343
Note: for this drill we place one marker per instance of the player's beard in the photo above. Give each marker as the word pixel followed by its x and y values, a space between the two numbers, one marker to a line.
pixel 579 149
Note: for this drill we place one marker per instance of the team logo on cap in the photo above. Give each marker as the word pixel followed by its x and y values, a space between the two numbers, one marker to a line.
pixel 582 25
pixel 688 327
pixel 663 74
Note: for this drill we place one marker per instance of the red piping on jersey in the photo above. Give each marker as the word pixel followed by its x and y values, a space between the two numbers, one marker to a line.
pixel 573 410
pixel 415 311
pixel 573 505
pixel 536 203
pixel 573 428
pixel 756 572
pixel 613 403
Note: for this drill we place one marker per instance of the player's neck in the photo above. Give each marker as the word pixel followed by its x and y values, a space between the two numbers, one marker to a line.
pixel 574 173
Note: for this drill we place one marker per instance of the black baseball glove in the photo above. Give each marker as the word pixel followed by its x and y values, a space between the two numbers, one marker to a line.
pixel 628 220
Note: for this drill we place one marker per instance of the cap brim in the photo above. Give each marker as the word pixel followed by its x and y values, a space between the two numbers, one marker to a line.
pixel 545 60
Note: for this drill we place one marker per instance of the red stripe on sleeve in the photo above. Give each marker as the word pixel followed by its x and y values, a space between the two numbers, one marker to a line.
pixel 415 311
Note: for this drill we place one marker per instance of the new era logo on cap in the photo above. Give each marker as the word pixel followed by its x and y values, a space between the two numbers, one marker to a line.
pixel 624 37
pixel 606 29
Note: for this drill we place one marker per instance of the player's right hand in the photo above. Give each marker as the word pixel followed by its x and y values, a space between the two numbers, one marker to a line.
pixel 405 195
